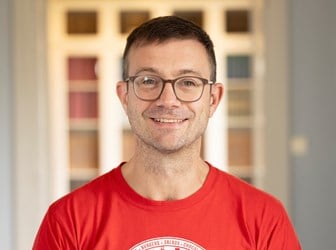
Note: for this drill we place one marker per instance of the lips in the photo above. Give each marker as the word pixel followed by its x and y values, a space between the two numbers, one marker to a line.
pixel 164 116
pixel 165 120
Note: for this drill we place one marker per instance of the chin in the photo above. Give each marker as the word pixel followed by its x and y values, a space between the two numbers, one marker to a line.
pixel 167 149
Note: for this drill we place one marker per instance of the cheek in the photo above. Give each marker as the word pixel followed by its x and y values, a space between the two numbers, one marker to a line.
pixel 201 117
pixel 132 110
pixel 135 109
pixel 204 108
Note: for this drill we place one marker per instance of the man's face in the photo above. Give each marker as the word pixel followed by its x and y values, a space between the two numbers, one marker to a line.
pixel 168 124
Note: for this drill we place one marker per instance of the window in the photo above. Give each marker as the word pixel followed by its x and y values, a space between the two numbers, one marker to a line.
pixel 79 22
pixel 237 21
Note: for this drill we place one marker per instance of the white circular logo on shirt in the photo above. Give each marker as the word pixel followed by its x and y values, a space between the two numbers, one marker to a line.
pixel 167 243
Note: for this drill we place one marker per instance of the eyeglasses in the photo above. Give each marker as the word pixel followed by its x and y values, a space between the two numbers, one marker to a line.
pixel 186 88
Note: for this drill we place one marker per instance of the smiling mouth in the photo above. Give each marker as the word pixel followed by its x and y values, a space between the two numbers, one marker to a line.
pixel 164 120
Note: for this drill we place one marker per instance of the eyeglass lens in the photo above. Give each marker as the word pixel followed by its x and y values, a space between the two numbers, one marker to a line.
pixel 185 88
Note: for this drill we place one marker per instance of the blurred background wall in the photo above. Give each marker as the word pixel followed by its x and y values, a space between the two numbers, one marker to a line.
pixel 6 131
pixel 300 53
pixel 312 40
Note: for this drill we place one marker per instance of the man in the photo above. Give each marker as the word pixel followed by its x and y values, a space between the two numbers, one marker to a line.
pixel 166 196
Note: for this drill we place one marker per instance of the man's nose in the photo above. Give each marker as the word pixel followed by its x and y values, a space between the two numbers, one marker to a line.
pixel 168 96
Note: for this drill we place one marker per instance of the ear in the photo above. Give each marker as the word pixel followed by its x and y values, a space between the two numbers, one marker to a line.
pixel 217 91
pixel 121 90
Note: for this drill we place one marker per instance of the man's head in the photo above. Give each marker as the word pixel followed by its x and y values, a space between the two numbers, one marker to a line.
pixel 162 29
pixel 168 91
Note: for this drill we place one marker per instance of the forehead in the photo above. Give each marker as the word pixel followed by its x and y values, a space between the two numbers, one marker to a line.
pixel 169 57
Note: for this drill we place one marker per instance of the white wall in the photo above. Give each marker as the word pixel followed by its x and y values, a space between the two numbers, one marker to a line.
pixel 6 132
pixel 24 122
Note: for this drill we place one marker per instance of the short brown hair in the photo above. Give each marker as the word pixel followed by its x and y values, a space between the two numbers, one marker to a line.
pixel 161 29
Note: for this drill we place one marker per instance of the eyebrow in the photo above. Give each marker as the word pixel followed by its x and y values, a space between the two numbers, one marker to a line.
pixel 188 71
pixel 178 73
pixel 147 69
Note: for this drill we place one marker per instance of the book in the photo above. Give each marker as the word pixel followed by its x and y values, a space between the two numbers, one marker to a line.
pixel 83 149
pixel 240 147
pixel 83 105
pixel 82 68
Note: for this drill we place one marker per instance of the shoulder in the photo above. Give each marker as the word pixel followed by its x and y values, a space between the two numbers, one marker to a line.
pixel 244 194
pixel 261 214
pixel 88 195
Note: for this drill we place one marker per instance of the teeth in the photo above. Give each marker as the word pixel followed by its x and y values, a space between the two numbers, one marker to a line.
pixel 168 120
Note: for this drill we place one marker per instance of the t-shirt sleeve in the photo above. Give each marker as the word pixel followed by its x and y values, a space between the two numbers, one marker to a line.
pixel 52 235
pixel 279 234
pixel 284 236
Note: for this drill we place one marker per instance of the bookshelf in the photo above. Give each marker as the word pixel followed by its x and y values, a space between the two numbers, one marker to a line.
pixel 91 135
pixel 83 114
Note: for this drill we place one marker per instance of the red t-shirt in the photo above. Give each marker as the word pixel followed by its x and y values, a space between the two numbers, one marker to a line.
pixel 226 213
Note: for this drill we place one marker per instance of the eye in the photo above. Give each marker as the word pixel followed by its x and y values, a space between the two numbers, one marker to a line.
pixel 148 81
pixel 188 82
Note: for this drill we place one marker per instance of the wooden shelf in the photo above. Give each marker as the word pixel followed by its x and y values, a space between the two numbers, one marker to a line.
pixel 83 86
pixel 83 124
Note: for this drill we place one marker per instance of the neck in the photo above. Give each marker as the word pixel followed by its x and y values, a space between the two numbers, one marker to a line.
pixel 165 176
